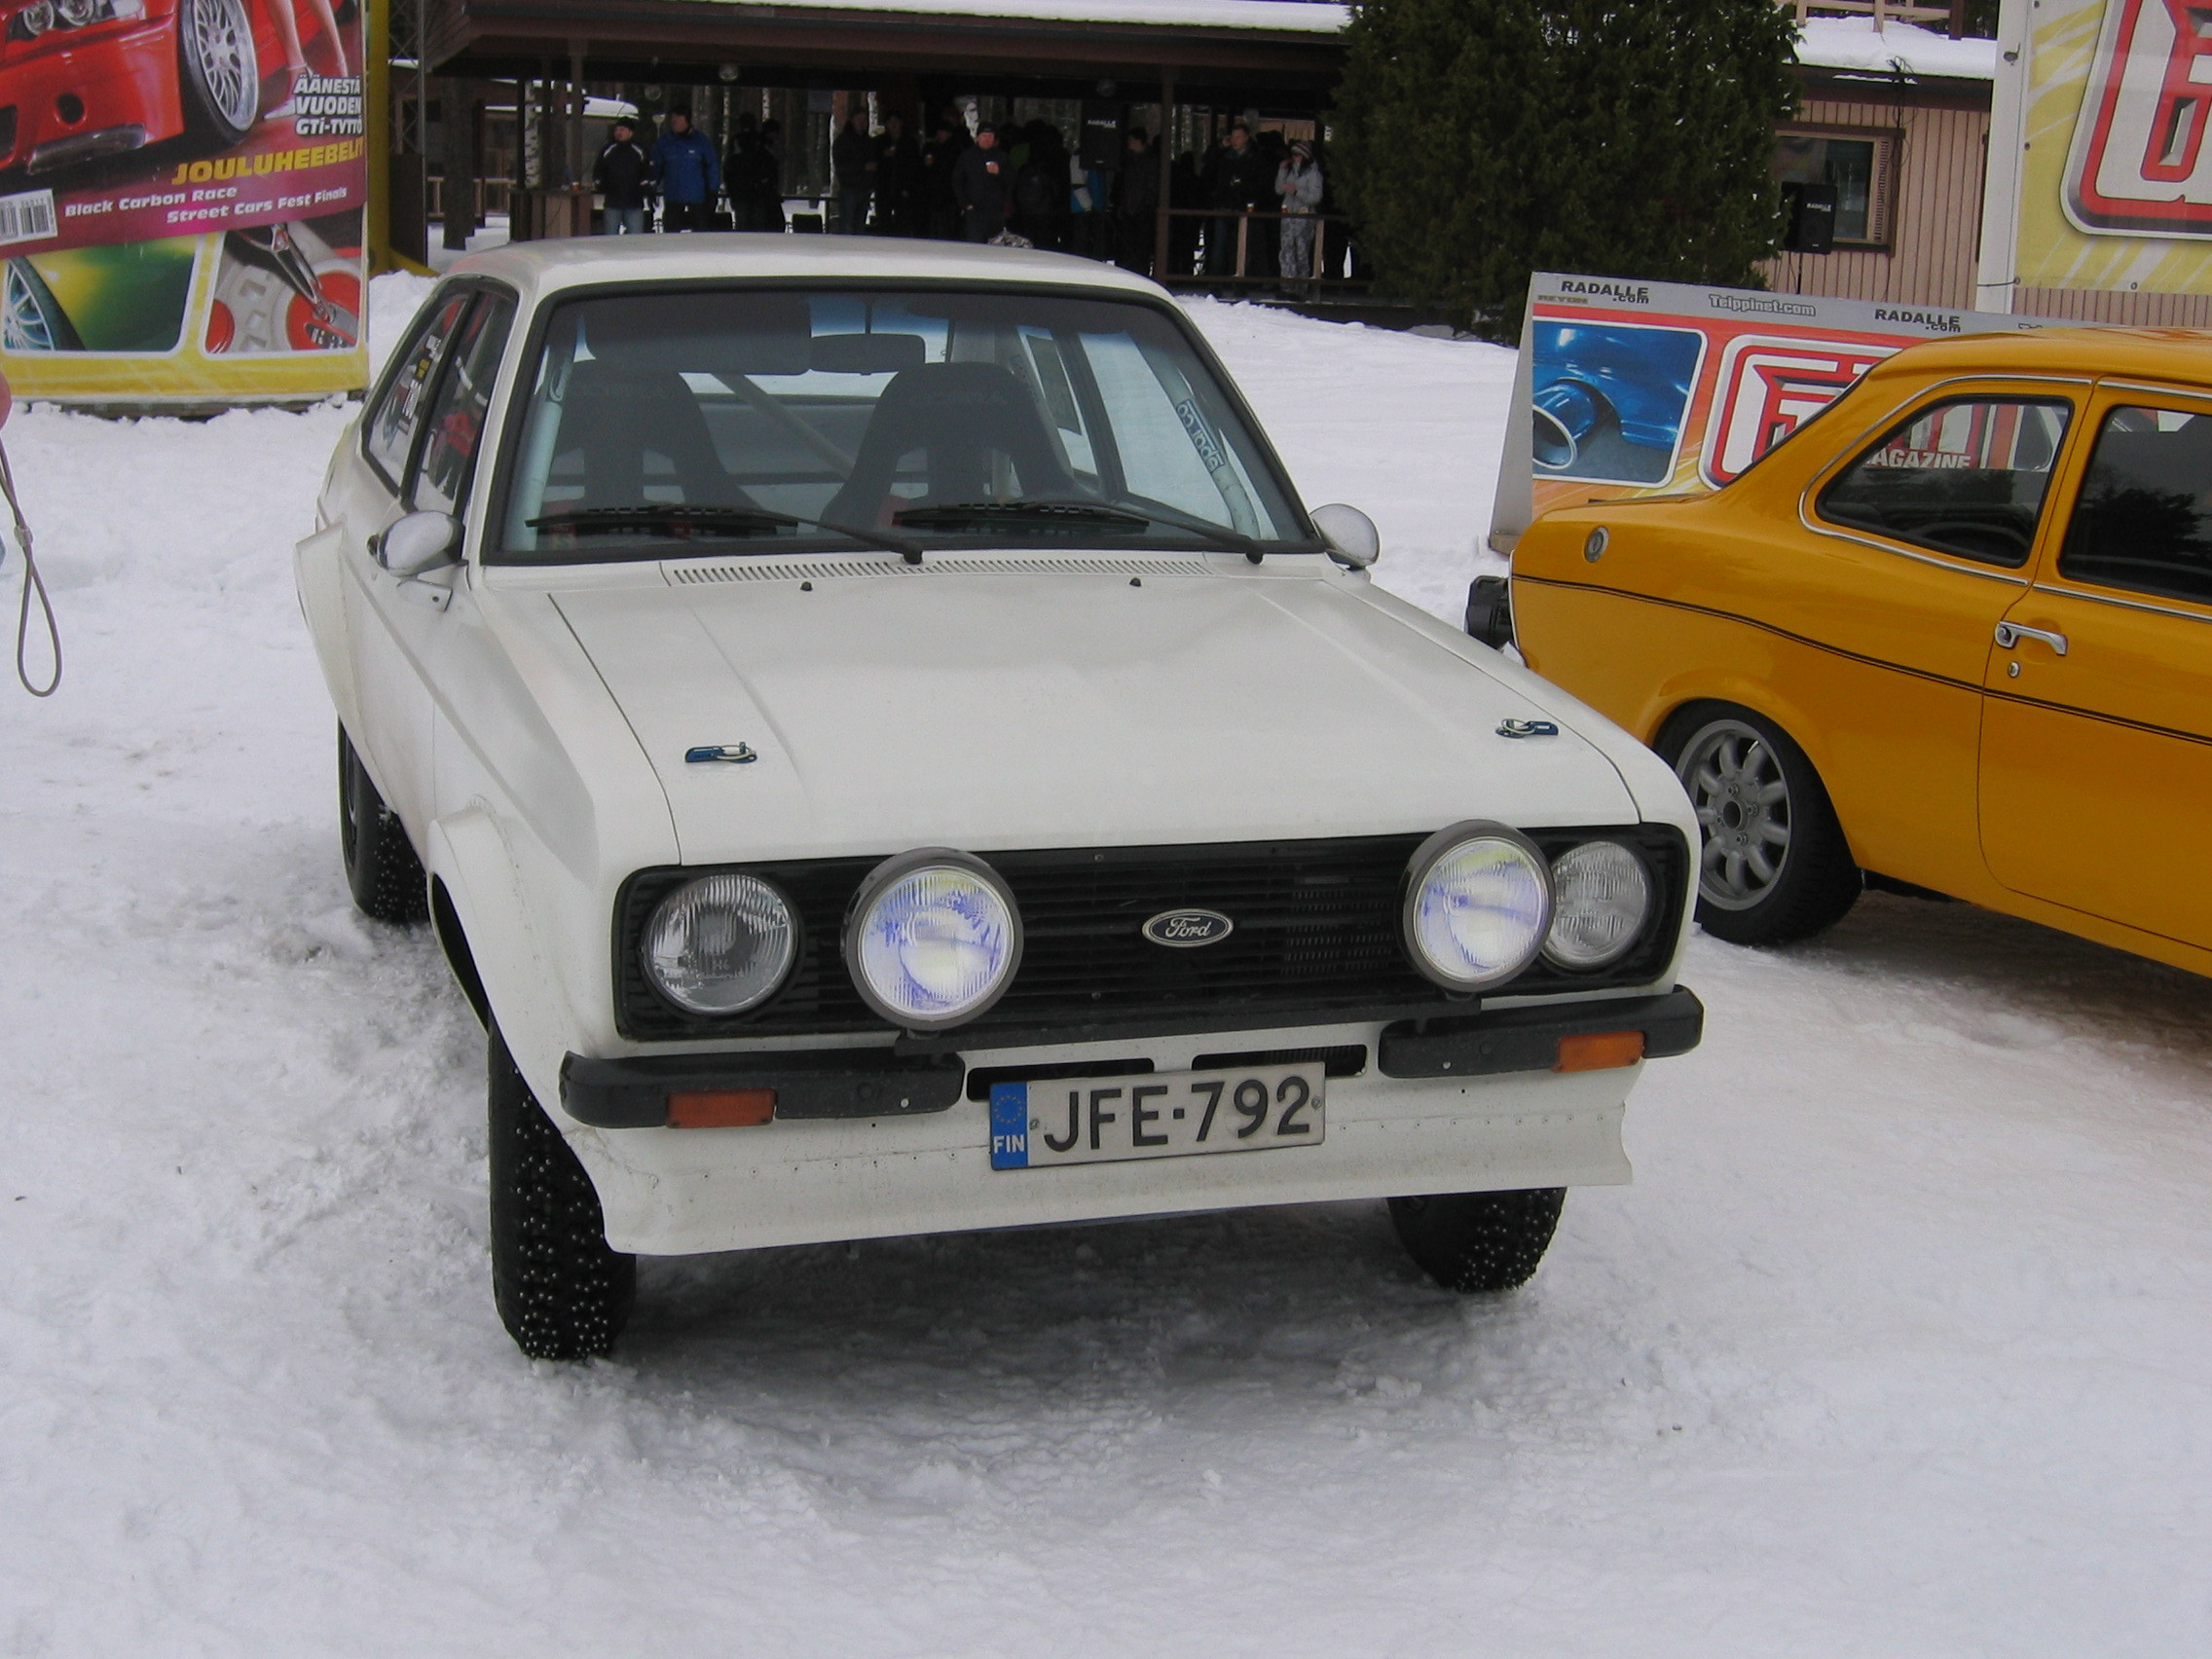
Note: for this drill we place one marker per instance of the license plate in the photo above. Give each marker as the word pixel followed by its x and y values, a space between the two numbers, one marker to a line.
pixel 1105 1120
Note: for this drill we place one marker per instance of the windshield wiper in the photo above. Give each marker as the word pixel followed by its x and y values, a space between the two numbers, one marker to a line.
pixel 682 519
pixel 1075 515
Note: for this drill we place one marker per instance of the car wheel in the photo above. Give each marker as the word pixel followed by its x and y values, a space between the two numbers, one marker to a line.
pixel 219 69
pixel 562 1293
pixel 380 865
pixel 1478 1241
pixel 1773 864
pixel 31 319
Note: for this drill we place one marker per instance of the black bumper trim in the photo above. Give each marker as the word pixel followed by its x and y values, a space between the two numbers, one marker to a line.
pixel 818 1083
pixel 1527 1038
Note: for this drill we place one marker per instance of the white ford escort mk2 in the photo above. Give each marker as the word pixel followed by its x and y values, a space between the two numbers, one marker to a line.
pixel 885 751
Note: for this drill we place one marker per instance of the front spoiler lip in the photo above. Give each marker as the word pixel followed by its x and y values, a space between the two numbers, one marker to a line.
pixel 632 1093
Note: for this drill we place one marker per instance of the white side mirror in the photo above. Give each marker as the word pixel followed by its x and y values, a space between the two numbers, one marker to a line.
pixel 420 542
pixel 1350 534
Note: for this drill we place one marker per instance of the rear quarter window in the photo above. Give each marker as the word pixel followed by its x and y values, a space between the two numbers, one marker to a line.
pixel 1964 477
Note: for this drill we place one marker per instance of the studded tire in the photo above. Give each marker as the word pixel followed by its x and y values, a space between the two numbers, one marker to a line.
pixel 561 1291
pixel 382 869
pixel 1478 1241
pixel 1808 879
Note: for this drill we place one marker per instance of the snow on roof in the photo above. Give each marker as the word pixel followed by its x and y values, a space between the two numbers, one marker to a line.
pixel 1314 17
pixel 1852 43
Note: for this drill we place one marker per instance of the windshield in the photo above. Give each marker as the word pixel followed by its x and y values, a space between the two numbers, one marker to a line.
pixel 763 421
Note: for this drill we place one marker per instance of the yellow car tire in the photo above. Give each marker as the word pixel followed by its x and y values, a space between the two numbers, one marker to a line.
pixel 1773 866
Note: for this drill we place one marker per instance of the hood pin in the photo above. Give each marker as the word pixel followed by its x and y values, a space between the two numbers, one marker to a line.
pixel 737 753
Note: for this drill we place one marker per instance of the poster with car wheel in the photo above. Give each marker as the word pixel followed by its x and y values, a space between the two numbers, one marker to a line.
pixel 183 188
pixel 2100 149
pixel 1634 388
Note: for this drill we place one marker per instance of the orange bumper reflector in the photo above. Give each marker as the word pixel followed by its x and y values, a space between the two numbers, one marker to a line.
pixel 1599 1050
pixel 720 1107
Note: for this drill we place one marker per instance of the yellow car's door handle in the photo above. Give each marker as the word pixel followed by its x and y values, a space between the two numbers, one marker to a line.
pixel 2011 634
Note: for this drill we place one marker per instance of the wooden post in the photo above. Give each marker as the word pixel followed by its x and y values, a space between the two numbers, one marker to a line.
pixel 1161 221
pixel 457 98
pixel 576 116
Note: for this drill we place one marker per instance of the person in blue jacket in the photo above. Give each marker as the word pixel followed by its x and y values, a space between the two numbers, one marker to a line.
pixel 689 175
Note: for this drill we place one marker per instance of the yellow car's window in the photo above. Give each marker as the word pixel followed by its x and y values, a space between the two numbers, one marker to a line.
pixel 1964 477
pixel 2144 518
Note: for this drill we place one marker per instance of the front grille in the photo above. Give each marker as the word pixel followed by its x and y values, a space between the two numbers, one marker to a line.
pixel 1316 933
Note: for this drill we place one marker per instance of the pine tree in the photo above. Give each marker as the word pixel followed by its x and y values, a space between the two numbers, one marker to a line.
pixel 1479 140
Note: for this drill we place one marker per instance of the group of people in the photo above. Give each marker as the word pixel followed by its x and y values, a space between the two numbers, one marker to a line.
pixel 682 169
pixel 1002 182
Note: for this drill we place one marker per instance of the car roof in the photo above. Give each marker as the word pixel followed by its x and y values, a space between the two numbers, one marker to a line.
pixel 540 268
pixel 2178 356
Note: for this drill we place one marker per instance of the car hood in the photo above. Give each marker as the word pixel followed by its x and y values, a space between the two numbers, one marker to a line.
pixel 998 710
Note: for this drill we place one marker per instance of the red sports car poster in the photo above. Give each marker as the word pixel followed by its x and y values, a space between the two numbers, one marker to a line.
pixel 183 189
pixel 1634 388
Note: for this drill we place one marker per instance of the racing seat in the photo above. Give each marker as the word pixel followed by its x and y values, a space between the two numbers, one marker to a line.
pixel 960 415
pixel 619 418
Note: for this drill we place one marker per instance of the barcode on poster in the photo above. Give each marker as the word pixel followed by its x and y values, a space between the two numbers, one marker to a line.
pixel 28 217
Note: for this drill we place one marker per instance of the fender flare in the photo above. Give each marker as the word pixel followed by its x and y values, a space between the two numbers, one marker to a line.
pixel 491 945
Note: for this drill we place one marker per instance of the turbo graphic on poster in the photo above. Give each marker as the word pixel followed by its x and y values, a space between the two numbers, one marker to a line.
pixel 1628 389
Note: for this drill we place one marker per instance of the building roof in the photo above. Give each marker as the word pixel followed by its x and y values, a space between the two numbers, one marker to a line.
pixel 1853 46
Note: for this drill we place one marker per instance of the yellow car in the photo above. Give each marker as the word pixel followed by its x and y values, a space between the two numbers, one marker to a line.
pixel 1954 634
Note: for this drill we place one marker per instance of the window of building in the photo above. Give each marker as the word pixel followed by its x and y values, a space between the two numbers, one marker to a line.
pixel 1859 166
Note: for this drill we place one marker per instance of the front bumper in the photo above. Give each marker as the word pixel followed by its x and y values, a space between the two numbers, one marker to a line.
pixel 1466 1105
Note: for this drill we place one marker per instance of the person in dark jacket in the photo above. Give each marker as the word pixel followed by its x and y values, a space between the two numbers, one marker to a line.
pixel 620 175
pixel 852 156
pixel 689 175
pixel 751 187
pixel 1136 205
pixel 983 184
pixel 940 156
pixel 1237 180
pixel 898 180
pixel 1041 187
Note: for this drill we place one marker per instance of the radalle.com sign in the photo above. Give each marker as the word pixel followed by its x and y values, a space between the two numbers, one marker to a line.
pixel 182 195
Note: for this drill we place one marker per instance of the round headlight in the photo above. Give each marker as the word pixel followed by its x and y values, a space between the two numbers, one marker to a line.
pixel 78 12
pixel 1477 900
pixel 933 938
pixel 1601 895
pixel 721 944
pixel 36 17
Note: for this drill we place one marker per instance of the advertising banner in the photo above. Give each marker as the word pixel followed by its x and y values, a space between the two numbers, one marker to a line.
pixel 183 186
pixel 1645 389
pixel 2100 175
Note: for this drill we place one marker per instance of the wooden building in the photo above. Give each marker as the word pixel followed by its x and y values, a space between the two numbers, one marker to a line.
pixel 1894 113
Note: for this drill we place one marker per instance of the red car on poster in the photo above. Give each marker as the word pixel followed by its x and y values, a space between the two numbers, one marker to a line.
pixel 83 80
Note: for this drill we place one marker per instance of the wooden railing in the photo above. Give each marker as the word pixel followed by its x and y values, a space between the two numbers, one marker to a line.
pixel 1326 244
pixel 1953 13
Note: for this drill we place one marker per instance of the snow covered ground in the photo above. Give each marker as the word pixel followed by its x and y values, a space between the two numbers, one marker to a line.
pixel 1898 1346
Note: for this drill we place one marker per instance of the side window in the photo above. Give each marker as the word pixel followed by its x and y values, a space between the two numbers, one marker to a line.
pixel 1964 477
pixel 389 434
pixel 455 424
pixel 2144 518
